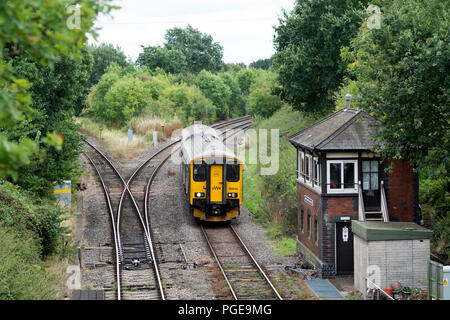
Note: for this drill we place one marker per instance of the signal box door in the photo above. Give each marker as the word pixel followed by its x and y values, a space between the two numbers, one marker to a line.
pixel 216 183
pixel 344 248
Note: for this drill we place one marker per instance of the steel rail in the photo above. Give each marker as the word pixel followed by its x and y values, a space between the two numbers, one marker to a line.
pixel 146 200
pixel 145 225
pixel 261 271
pixel 125 189
pixel 211 248
pixel 111 212
pixel 246 250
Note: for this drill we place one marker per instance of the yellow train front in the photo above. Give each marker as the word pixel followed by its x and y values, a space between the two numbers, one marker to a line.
pixel 212 175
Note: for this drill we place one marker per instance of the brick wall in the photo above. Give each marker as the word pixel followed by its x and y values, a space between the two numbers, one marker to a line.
pixel 401 192
pixel 342 206
pixel 333 210
pixel 328 211
pixel 316 212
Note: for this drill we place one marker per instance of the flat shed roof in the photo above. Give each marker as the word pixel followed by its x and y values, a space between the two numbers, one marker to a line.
pixel 380 231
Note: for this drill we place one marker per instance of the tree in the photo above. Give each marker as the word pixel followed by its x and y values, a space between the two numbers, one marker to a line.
pixel 103 55
pixel 39 29
pixel 263 103
pixel 236 101
pixel 57 94
pixel 308 42
pixel 126 97
pixel 214 88
pixel 96 97
pixel 261 64
pixel 191 104
pixel 200 50
pixel 234 67
pixel 245 79
pixel 401 70
pixel 170 60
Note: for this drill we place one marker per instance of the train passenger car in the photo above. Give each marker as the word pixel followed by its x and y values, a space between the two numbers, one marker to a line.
pixel 212 175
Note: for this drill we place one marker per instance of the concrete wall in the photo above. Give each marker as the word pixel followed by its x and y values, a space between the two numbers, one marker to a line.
pixel 392 260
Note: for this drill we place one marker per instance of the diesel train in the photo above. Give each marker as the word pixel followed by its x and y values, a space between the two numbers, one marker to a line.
pixel 212 175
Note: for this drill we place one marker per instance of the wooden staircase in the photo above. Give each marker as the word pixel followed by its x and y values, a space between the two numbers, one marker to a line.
pixel 373 214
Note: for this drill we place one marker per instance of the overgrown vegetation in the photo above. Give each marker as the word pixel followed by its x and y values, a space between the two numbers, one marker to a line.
pixel 22 271
pixel 30 232
pixel 396 58
pixel 435 204
pixel 273 198
pixel 44 70
pixel 156 89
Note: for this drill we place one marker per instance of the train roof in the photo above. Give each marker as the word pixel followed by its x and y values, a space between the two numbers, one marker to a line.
pixel 199 130
pixel 200 141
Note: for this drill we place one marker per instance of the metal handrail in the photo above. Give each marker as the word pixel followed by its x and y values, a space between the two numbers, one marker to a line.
pixel 366 280
pixel 361 210
pixel 384 207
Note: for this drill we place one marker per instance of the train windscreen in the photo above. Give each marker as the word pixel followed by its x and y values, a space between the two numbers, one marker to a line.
pixel 200 172
pixel 232 172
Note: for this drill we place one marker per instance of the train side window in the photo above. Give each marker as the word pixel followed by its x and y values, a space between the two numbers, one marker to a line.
pixel 233 172
pixel 200 172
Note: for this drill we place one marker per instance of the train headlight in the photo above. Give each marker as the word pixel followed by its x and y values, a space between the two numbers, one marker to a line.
pixel 199 194
pixel 232 195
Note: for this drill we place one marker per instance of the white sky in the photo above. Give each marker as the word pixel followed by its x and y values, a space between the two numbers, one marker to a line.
pixel 244 28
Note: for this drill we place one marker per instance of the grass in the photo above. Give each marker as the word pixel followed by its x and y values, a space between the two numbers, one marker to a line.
pixel 115 141
pixel 256 204
pixel 285 246
pixel 272 199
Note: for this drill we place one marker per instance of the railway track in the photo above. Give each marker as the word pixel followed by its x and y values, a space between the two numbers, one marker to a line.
pixel 245 278
pixel 137 274
pixel 135 265
pixel 233 258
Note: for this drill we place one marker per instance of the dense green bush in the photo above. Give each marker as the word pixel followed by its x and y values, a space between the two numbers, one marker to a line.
pixel 126 98
pixel 31 217
pixel 263 103
pixel 436 192
pixel 434 197
pixel 215 89
pixel 123 94
pixel 22 273
pixel 172 61
pixel 155 89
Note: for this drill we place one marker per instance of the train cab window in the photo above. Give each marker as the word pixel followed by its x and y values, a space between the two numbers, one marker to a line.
pixel 200 172
pixel 232 172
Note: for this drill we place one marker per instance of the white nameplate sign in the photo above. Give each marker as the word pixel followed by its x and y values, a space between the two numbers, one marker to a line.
pixel 309 201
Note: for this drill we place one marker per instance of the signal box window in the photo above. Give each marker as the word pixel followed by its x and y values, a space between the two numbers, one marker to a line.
pixel 200 172
pixel 233 172
pixel 342 176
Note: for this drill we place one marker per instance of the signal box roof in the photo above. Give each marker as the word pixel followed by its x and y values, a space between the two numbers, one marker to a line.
pixel 345 130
